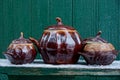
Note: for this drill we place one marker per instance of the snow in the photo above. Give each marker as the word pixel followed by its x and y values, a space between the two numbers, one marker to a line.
pixel 80 65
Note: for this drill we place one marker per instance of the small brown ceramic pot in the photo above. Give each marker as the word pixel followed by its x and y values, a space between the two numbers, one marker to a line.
pixel 98 51
pixel 21 51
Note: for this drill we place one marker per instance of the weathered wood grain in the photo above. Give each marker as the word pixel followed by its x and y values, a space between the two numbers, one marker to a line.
pixel 39 68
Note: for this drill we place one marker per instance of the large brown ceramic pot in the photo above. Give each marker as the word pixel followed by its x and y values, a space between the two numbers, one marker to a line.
pixel 59 44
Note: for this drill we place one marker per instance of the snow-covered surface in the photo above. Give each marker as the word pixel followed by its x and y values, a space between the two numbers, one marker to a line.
pixel 80 65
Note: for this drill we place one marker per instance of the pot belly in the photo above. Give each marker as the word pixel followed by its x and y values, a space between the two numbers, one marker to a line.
pixel 60 47
pixel 55 53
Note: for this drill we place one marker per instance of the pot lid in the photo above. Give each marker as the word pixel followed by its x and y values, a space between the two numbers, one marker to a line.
pixel 97 44
pixel 96 39
pixel 59 26
pixel 21 40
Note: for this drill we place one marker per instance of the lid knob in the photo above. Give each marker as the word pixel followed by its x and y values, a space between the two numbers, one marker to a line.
pixel 21 36
pixel 59 21
pixel 99 33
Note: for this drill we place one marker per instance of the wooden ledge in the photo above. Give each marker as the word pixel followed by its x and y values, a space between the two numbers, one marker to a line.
pixel 39 68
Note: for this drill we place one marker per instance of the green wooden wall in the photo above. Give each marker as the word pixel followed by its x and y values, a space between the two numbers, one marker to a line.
pixel 32 16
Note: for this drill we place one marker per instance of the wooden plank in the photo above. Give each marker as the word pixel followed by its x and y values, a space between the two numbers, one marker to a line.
pixel 7 24
pixel 1 27
pixel 48 77
pixel 3 77
pixel 59 77
pixel 85 17
pixel 60 8
pixel 39 18
pixel 85 77
pixel 108 78
pixel 109 21
pixel 39 68
pixel 43 71
pixel 22 17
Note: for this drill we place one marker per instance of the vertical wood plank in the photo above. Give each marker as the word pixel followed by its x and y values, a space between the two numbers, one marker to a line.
pixel 118 28
pixel 60 8
pixel 7 27
pixel 39 18
pixel 1 27
pixel 109 21
pixel 85 17
pixel 21 17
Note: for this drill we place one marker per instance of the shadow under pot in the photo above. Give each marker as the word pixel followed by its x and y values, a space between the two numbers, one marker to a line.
pixel 98 51
pixel 21 51
pixel 59 44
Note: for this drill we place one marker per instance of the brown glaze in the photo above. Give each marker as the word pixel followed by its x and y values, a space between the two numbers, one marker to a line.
pixel 98 51
pixel 59 44
pixel 99 58
pixel 97 46
pixel 21 51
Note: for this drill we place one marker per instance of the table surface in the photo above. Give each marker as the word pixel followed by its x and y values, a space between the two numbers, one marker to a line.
pixel 39 68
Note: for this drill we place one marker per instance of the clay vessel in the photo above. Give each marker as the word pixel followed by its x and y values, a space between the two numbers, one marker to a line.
pixel 59 44
pixel 98 51
pixel 21 51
